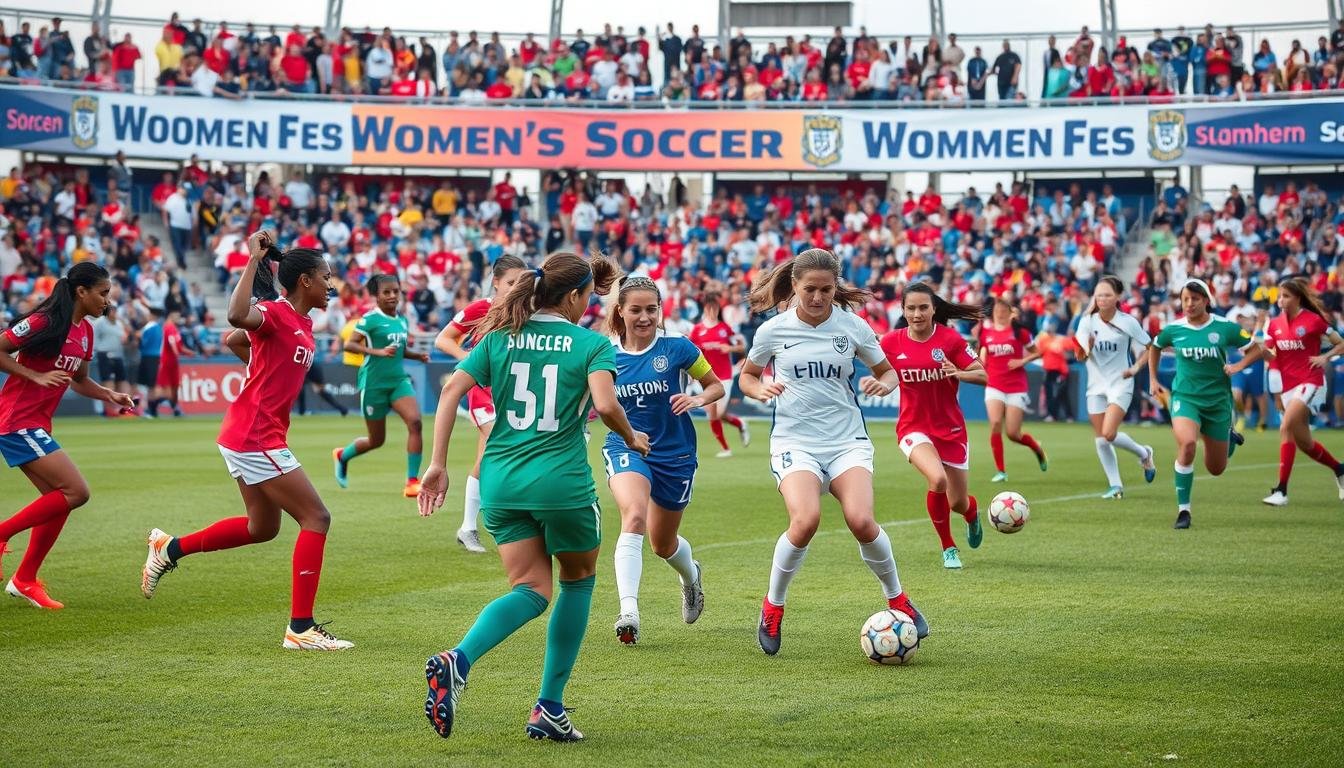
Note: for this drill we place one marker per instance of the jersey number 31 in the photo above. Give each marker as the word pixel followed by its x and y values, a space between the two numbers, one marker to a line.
pixel 522 374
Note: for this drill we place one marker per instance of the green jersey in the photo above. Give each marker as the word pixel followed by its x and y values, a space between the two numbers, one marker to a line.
pixel 1201 353
pixel 536 457
pixel 381 331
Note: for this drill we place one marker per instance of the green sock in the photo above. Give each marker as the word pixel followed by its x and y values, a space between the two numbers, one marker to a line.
pixel 349 452
pixel 564 635
pixel 1231 446
pixel 504 615
pixel 412 465
pixel 1185 482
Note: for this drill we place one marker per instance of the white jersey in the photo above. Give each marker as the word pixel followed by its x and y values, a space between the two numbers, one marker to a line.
pixel 1110 352
pixel 819 407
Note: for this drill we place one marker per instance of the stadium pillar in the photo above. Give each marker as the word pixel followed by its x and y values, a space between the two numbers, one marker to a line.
pixel 936 23
pixel 724 6
pixel 557 11
pixel 335 9
pixel 1108 23
pixel 1196 188
pixel 102 13
pixel 1335 11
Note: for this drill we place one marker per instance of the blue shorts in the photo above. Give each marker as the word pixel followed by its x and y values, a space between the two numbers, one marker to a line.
pixel 670 482
pixel 27 445
pixel 1250 381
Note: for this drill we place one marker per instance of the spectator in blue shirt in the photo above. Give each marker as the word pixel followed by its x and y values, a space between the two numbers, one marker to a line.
pixel 1199 67
pixel 757 202
pixel 1174 193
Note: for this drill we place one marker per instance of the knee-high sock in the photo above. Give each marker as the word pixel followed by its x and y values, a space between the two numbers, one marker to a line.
pixel 226 534
pixel 504 615
pixel 996 447
pixel 1030 442
pixel 972 510
pixel 939 511
pixel 307 572
pixel 1126 443
pixel 877 556
pixel 716 426
pixel 1106 452
pixel 44 508
pixel 1287 454
pixel 1320 455
pixel 413 465
pixel 40 542
pixel 1185 483
pixel 471 510
pixel 564 636
pixel 629 569
pixel 732 420
pixel 788 559
pixel 682 562
pixel 351 451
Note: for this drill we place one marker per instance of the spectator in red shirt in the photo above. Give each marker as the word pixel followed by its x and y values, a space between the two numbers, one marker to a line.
pixel 294 70
pixel 529 49
pixel 215 57
pixel 505 195
pixel 295 38
pixel 124 56
pixel 163 190
pixel 857 73
pixel 814 89
pixel 499 90
pixel 176 29
pixel 930 202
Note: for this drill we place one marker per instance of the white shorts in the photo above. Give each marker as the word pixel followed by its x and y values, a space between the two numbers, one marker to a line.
pixel 1019 400
pixel 954 453
pixel 1311 394
pixel 826 463
pixel 1275 381
pixel 255 467
pixel 1120 394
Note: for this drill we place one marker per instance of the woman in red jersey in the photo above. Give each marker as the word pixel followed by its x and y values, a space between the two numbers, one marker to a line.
pixel 253 437
pixel 1295 338
pixel 54 344
pixel 1005 350
pixel 931 360
pixel 719 342
pixel 456 339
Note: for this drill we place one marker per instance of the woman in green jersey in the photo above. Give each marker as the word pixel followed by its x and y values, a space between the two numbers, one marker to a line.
pixel 537 494
pixel 1200 400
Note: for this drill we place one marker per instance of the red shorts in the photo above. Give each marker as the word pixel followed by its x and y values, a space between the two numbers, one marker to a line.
pixel 955 453
pixel 480 406
pixel 170 376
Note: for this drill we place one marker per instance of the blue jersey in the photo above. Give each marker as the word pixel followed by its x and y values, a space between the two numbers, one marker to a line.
pixel 151 339
pixel 645 384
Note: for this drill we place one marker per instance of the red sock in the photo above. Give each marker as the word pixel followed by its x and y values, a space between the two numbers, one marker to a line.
pixel 972 508
pixel 307 570
pixel 733 420
pixel 1320 455
pixel 40 542
pixel 1287 452
pixel 716 426
pixel 996 445
pixel 226 534
pixel 48 506
pixel 938 513
pixel 1030 442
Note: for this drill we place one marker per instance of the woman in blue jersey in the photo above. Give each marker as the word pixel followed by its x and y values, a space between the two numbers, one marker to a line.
pixel 653 491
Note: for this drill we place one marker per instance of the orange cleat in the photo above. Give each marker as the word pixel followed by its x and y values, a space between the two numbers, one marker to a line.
pixel 4 550
pixel 412 488
pixel 34 592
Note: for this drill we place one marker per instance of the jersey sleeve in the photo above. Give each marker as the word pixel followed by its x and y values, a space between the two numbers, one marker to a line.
pixel 1084 330
pixel 23 331
pixel 602 356
pixel 477 364
pixel 762 346
pixel 958 351
pixel 691 359
pixel 268 321
pixel 88 348
pixel 470 316
pixel 1163 339
pixel 1135 330
pixel 1237 336
pixel 868 348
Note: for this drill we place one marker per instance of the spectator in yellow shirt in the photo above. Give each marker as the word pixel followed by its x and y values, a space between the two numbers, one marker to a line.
pixel 169 54
pixel 514 75
pixel 10 184
pixel 445 200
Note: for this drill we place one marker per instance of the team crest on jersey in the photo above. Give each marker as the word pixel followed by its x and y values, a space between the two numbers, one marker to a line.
pixel 938 356
pixel 84 343
pixel 1301 331
pixel 1213 337
pixel 21 328
pixel 841 343
pixel 660 363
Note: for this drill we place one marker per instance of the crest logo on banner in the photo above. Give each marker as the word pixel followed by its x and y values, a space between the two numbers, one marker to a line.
pixel 821 140
pixel 84 122
pixel 1166 134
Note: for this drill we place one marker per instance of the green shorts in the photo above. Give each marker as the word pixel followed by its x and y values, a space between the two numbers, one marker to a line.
pixel 1215 421
pixel 376 401
pixel 565 530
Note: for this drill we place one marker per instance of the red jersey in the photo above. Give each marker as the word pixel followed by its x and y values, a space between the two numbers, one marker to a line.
pixel 172 345
pixel 471 316
pixel 1001 346
pixel 928 396
pixel 720 362
pixel 1295 342
pixel 282 353
pixel 25 405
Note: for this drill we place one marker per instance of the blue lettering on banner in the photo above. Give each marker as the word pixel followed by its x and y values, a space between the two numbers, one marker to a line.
pixel 136 124
pixel 894 140
pixel 607 139
pixel 382 133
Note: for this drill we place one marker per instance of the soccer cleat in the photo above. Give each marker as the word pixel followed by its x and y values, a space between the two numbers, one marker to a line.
pixel 693 597
pixel 315 638
pixel 1114 492
pixel 341 479
pixel 903 604
pixel 4 550
pixel 1276 498
pixel 768 634
pixel 1339 480
pixel 724 454
pixel 975 532
pixel 1235 439
pixel 952 559
pixel 745 432
pixel 34 592
pixel 544 725
pixel 157 562
pixel 412 488
pixel 445 688
pixel 627 628
pixel 1182 520
pixel 999 477
pixel 1043 460
pixel 470 540
pixel 1149 468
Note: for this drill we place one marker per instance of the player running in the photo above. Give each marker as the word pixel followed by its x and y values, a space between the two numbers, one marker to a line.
pixel 1200 399
pixel 537 493
pixel 253 437
pixel 1005 350
pixel 719 343
pixel 813 343
pixel 169 375
pixel 931 359
pixel 1295 339
pixel 1106 336
pixel 452 341
pixel 54 343
pixel 383 337
pixel 653 492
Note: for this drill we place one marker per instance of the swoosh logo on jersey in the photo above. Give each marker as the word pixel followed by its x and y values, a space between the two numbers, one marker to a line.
pixel 901 356
pixel 794 344
pixel 298 333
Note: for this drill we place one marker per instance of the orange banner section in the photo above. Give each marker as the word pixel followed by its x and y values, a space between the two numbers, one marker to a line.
pixel 627 140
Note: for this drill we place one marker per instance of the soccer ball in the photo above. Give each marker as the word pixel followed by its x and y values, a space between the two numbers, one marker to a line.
pixel 889 637
pixel 1008 512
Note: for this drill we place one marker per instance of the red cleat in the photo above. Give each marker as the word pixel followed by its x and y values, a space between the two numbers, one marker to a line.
pixel 34 592
pixel 768 633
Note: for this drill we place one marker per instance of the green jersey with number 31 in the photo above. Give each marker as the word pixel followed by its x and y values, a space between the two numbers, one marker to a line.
pixel 536 457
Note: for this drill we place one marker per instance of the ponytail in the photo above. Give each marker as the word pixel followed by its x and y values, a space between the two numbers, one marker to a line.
pixel 545 287
pixel 58 309
pixel 943 310
pixel 287 267
pixel 775 286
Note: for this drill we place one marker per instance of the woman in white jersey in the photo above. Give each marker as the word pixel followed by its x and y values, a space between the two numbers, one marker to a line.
pixel 1105 339
pixel 818 441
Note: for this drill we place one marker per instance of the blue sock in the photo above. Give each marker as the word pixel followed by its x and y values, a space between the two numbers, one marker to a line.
pixel 552 707
pixel 412 465
pixel 461 661
pixel 174 550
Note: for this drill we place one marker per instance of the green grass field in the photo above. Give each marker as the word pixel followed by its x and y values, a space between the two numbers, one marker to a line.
pixel 1096 636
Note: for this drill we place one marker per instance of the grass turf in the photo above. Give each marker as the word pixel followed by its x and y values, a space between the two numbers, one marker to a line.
pixel 1097 635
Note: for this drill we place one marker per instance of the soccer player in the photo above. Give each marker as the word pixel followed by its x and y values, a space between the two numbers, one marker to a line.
pixel 1200 399
pixel 383 336
pixel 54 343
pixel 653 492
pixel 719 343
pixel 453 340
pixel 1106 336
pixel 1295 339
pixel 1005 350
pixel 253 437
pixel 537 495
pixel 818 440
pixel 169 374
pixel 931 359
pixel 1248 387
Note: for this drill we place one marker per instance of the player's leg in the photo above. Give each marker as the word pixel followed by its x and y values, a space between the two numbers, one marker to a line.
pixel 1299 406
pixel 409 411
pixel 1097 413
pixel 738 423
pixel 1013 416
pixel 1185 430
pixel 924 458
pixel 468 535
pixel 1293 422
pixel 960 500
pixel 994 409
pixel 801 489
pixel 1115 416
pixel 564 638
pixel 62 489
pixel 664 527
pixel 374 404
pixel 630 488
pixel 715 412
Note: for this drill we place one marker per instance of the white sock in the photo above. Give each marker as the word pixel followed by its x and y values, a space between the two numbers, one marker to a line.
pixel 471 510
pixel 629 568
pixel 1183 469
pixel 877 555
pixel 682 562
pixel 1127 443
pixel 1106 452
pixel 788 559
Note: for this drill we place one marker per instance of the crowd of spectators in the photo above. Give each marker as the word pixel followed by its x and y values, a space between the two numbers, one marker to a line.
pixel 614 66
